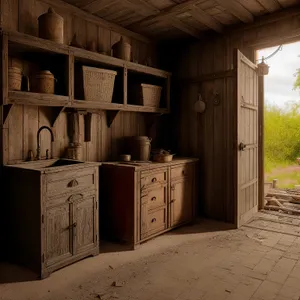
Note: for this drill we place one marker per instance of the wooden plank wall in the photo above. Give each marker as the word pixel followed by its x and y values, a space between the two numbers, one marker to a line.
pixel 20 131
pixel 209 136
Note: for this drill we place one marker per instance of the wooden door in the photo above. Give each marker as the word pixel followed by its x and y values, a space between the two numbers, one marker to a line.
pixel 85 224
pixel 247 140
pixel 58 234
pixel 181 201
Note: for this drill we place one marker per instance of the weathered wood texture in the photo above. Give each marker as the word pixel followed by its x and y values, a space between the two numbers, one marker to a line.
pixel 210 135
pixel 170 19
pixel 141 202
pixel 19 134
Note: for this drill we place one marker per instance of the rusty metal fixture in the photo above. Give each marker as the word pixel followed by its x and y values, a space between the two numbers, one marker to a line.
pixel 263 68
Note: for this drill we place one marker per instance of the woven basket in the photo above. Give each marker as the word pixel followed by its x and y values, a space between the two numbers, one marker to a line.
pixel 150 95
pixel 98 84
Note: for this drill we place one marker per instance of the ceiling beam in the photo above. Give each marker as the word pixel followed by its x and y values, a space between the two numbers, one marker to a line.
pixel 270 5
pixel 202 17
pixel 73 10
pixel 185 28
pixel 168 12
pixel 237 9
pixel 97 5
pixel 142 6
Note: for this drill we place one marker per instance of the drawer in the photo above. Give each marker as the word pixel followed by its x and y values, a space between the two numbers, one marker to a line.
pixel 68 198
pixel 156 197
pixel 70 181
pixel 181 171
pixel 153 177
pixel 154 222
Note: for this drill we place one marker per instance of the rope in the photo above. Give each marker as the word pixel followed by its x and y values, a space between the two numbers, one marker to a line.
pixel 272 54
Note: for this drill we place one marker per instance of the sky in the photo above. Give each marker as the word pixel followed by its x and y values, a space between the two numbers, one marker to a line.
pixel 279 83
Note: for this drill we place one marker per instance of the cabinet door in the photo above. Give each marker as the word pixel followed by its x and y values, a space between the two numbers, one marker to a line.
pixel 181 201
pixel 86 224
pixel 58 234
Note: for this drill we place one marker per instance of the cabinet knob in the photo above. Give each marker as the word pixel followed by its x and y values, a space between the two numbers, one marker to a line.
pixel 173 187
pixel 75 224
pixel 183 172
pixel 153 199
pixel 153 220
pixel 154 179
pixel 172 201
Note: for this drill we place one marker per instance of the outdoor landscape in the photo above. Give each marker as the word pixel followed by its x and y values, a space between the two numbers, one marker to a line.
pixel 282 137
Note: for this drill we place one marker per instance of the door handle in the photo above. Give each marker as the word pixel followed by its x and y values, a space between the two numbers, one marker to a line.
pixel 242 146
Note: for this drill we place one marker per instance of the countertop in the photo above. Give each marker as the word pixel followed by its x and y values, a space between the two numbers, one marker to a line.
pixel 44 166
pixel 150 165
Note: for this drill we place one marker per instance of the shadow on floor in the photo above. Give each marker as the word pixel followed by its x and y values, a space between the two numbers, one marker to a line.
pixel 12 273
pixel 202 225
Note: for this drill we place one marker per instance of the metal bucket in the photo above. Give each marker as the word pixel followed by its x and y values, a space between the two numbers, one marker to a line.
pixel 140 148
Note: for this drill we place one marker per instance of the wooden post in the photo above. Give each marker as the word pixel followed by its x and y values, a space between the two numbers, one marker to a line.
pixel 275 181
pixel 125 81
pixel 261 169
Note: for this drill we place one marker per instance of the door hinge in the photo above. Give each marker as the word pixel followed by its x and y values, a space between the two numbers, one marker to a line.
pixel 43 258
pixel 43 219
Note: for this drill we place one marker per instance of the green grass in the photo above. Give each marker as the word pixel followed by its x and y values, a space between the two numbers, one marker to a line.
pixel 282 144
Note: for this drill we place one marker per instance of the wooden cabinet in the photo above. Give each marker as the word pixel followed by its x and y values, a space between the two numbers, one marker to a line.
pixel 53 215
pixel 142 201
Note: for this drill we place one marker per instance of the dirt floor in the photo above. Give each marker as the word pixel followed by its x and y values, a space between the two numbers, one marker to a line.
pixel 207 261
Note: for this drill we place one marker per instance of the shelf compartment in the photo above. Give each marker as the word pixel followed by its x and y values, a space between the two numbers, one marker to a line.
pixel 28 98
pixel 83 104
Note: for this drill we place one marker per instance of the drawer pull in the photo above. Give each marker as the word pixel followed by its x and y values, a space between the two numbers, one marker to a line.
pixel 153 220
pixel 73 183
pixel 154 179
pixel 153 199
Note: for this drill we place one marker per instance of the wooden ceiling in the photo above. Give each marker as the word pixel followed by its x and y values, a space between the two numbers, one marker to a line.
pixel 161 19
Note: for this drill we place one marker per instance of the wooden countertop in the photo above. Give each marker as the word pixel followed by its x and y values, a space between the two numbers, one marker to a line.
pixel 150 165
pixel 44 166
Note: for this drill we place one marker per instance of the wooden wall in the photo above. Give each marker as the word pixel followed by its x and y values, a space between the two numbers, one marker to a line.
pixel 209 136
pixel 19 133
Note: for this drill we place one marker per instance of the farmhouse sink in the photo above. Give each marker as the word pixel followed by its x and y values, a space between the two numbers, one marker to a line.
pixel 52 165
pixel 63 162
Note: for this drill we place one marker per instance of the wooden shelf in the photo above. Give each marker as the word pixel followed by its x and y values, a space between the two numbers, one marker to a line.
pixel 85 105
pixel 81 54
pixel 36 43
pixel 23 45
pixel 28 98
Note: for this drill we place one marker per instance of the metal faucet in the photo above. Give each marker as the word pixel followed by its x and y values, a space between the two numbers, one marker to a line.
pixel 38 150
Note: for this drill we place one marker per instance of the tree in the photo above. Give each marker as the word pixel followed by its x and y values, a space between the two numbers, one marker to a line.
pixel 297 81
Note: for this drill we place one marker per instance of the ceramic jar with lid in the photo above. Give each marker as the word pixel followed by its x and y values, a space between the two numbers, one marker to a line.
pixel 51 26
pixel 43 82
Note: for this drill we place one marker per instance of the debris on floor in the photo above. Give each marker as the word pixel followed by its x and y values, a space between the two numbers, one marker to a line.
pixel 283 200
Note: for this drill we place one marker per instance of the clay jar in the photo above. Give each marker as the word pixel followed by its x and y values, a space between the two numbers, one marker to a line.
pixel 43 82
pixel 51 26
pixel 122 50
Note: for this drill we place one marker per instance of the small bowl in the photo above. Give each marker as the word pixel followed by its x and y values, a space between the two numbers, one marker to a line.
pixel 125 157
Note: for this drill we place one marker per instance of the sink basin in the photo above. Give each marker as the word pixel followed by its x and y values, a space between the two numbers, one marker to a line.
pixel 63 162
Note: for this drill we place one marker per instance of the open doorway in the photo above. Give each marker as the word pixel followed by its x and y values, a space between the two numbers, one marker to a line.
pixel 281 127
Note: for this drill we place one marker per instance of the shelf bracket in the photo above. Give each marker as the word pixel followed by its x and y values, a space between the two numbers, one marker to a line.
pixel 110 116
pixel 6 110
pixel 56 111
